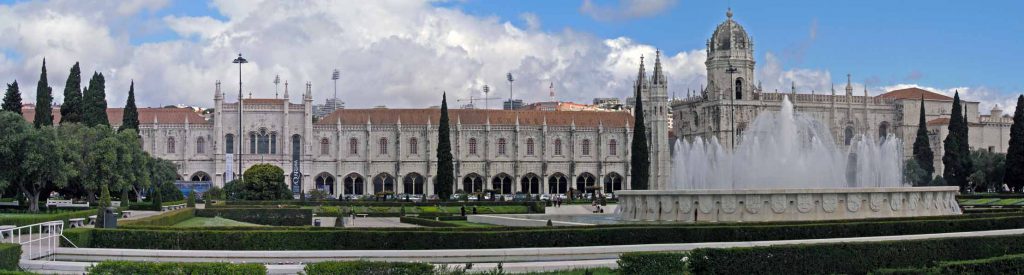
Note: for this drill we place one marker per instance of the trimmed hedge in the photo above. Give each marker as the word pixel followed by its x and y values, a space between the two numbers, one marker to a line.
pixel 1006 264
pixel 28 218
pixel 168 218
pixel 849 258
pixel 148 206
pixel 125 267
pixel 297 238
pixel 264 216
pixel 424 222
pixel 10 254
pixel 652 263
pixel 367 267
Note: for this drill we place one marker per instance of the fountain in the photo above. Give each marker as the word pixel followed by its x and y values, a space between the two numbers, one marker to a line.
pixel 786 167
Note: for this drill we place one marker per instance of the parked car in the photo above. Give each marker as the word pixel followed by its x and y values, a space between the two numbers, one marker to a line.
pixel 545 197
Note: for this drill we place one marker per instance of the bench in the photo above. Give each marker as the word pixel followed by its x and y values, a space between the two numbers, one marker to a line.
pixel 362 215
pixel 92 219
pixel 76 222
pixel 5 231
pixel 126 214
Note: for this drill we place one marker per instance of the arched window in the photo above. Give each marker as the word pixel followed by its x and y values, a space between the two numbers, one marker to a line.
pixel 325 182
pixel 414 147
pixel 612 182
pixel 849 135
pixel 530 184
pixel 558 147
pixel 273 143
pixel 263 142
pixel 229 144
pixel 413 184
pixel 613 147
pixel 586 181
pixel 353 146
pixel 353 184
pixel 883 130
pixel 558 184
pixel 502 183
pixel 200 176
pixel 296 146
pixel 170 145
pixel 200 145
pixel 529 146
pixel 472 146
pixel 252 143
pixel 383 146
pixel 325 147
pixel 585 147
pixel 383 183
pixel 739 88
pixel 472 183
pixel 501 146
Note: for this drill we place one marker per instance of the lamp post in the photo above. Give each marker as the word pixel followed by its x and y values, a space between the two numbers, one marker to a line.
pixel 487 90
pixel 510 80
pixel 335 76
pixel 732 107
pixel 240 61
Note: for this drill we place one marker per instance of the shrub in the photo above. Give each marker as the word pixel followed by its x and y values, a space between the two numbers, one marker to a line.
pixel 214 193
pixel 849 258
pixel 27 219
pixel 169 192
pixel 148 206
pixel 264 216
pixel 191 198
pixel 125 267
pixel 261 182
pixel 168 218
pixel 157 204
pixel 652 263
pixel 424 222
pixel 10 254
pixel 1006 264
pixel 367 267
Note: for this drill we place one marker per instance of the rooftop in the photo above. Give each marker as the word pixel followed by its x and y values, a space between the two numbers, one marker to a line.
pixel 478 117
pixel 915 93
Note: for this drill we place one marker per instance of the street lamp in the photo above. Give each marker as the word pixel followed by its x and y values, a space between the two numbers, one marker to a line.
pixel 240 61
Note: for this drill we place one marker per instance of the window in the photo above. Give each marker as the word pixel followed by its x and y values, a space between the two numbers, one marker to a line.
pixel 472 146
pixel 263 142
pixel 558 147
pixel 200 145
pixel 252 143
pixel 383 146
pixel 585 147
pixel 739 88
pixel 849 134
pixel 883 130
pixel 613 147
pixel 170 145
pixel 229 144
pixel 353 146
pixel 529 146
pixel 414 146
pixel 273 143
pixel 501 146
pixel 325 147
pixel 296 146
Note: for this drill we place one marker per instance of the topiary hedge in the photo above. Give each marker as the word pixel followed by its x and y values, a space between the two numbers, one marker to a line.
pixel 424 222
pixel 125 267
pixel 264 216
pixel 849 258
pixel 243 238
pixel 30 218
pixel 1006 264
pixel 10 254
pixel 168 218
pixel 367 267
pixel 652 263
pixel 148 206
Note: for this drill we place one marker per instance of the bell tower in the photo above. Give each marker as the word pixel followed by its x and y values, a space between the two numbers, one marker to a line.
pixel 730 62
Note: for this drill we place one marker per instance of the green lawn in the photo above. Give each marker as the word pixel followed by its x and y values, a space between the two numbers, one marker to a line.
pixel 593 271
pixel 215 221
pixel 470 224
pixel 978 201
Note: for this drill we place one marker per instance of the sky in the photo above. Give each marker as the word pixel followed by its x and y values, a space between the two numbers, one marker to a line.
pixel 404 54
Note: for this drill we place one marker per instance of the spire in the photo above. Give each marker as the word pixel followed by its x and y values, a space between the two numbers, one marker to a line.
pixel 217 93
pixel 833 89
pixel 792 87
pixel 849 85
pixel 658 77
pixel 286 89
pixel 309 91
pixel 551 91
pixel 640 75
pixel 728 13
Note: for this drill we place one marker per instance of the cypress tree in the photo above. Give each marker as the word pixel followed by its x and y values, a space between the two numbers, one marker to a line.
pixel 1014 175
pixel 44 100
pixel 71 110
pixel 922 149
pixel 640 161
pixel 12 98
pixel 445 167
pixel 954 159
pixel 131 114
pixel 103 204
pixel 94 102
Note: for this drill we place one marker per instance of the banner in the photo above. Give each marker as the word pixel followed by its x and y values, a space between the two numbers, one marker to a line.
pixel 296 177
pixel 229 171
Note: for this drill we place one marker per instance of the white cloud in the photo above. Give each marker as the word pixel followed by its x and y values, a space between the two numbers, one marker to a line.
pixel 531 19
pixel 626 9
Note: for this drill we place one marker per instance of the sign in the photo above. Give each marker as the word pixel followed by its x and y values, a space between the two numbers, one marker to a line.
pixel 229 172
pixel 296 177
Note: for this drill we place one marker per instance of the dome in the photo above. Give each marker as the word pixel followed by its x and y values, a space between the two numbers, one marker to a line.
pixel 729 35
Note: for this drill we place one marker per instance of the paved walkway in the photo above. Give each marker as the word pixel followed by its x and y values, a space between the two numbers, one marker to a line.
pixel 369 222
pixel 567 209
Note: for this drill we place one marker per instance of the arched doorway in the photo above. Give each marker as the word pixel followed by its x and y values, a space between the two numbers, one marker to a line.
pixel 558 184
pixel 883 130
pixel 472 183
pixel 612 182
pixel 530 184
pixel 200 176
pixel 413 184
pixel 325 182
pixel 848 135
pixel 354 184
pixel 502 183
pixel 585 180
pixel 383 183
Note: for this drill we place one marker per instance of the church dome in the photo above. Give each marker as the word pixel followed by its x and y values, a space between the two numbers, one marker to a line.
pixel 729 35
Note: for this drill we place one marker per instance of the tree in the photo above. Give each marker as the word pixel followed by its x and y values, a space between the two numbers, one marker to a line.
pixel 12 98
pixel 71 110
pixel 955 158
pixel 640 161
pixel 94 102
pixel 214 193
pixel 445 168
pixel 46 163
pixel 44 101
pixel 131 114
pixel 1014 175
pixel 12 134
pixel 260 182
pixel 988 175
pixel 914 174
pixel 923 155
pixel 104 203
pixel 158 202
pixel 191 198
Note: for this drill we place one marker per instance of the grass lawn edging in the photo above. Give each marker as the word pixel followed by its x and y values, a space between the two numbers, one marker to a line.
pixel 126 267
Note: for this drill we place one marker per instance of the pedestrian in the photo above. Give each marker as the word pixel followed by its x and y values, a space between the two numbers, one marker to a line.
pixel 463 210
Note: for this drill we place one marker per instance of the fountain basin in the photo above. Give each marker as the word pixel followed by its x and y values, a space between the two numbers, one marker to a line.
pixel 765 205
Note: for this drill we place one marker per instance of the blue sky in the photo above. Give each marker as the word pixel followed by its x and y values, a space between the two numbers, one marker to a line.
pixel 587 48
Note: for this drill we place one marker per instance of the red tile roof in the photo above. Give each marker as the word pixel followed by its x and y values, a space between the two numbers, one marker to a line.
pixel 478 117
pixel 146 115
pixel 915 93
pixel 939 121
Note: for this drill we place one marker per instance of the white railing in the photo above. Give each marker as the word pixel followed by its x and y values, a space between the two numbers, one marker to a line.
pixel 37 240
